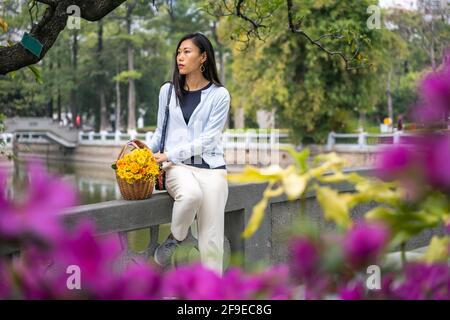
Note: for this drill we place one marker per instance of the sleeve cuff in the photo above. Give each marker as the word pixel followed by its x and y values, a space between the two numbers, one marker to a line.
pixel 171 156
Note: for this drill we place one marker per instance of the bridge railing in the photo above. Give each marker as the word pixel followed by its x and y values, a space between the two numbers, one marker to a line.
pixel 354 142
pixel 247 140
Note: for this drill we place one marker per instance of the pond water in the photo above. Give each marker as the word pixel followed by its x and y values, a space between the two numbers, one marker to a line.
pixel 94 182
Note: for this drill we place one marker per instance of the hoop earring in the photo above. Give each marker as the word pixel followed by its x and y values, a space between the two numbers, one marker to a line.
pixel 202 66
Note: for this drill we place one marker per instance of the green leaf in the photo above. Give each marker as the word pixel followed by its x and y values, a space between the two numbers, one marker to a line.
pixel 125 75
pixel 256 218
pixel 253 174
pixel 37 73
pixel 334 206
pixel 294 185
pixel 3 25
pixel 381 214
pixel 438 250
pixel 259 210
pixel 12 74
pixel 300 158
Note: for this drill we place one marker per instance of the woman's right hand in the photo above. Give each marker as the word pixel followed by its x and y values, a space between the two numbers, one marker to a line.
pixel 160 157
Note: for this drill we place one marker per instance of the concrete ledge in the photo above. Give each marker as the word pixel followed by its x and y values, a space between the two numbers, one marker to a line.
pixel 267 244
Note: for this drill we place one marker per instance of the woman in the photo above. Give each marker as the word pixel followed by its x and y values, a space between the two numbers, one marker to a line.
pixel 196 174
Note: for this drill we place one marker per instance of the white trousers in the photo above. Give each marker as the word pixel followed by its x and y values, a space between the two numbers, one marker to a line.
pixel 200 193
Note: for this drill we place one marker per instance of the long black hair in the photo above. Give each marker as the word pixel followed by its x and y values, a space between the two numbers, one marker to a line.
pixel 210 73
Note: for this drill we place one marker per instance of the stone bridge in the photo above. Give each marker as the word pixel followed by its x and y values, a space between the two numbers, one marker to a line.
pixel 36 128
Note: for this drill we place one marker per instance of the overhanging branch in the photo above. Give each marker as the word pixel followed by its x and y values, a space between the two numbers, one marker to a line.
pixel 49 27
pixel 297 29
pixel 256 23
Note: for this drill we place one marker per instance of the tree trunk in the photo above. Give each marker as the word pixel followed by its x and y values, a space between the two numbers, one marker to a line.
pixel 222 57
pixel 131 87
pixel 362 121
pixel 73 90
pixel 59 104
pixel 104 119
pixel 50 108
pixel 389 97
pixel 131 94
pixel 58 65
pixel 239 118
pixel 50 102
pixel 432 47
pixel 118 118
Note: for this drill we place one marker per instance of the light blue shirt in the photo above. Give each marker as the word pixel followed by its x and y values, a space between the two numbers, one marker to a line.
pixel 203 133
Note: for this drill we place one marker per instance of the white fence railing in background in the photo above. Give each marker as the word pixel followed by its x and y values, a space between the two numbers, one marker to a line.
pixel 253 140
pixel 247 140
pixel 104 138
pixel 348 142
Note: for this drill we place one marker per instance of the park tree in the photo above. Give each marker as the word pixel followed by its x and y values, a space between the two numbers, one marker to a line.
pixel 427 30
pixel 311 90
pixel 426 37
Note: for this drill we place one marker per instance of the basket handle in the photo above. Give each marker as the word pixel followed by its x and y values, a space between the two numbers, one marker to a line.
pixel 135 143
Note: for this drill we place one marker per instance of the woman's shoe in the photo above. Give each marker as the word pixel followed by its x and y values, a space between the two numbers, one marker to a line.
pixel 164 252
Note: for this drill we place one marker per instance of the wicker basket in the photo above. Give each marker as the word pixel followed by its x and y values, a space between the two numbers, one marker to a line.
pixel 141 189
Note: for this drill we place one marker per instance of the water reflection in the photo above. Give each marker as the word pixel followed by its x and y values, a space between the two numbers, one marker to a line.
pixel 94 182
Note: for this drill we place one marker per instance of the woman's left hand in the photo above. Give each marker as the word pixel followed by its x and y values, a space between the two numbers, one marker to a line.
pixel 160 157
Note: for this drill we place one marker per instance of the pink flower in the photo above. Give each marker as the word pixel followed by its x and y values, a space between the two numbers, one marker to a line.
pixel 317 287
pixel 437 164
pixel 236 285
pixel 305 257
pixel 271 284
pixel 394 161
pixel 364 243
pixel 192 282
pixel 195 282
pixel 44 272
pixel 140 281
pixel 435 90
pixel 424 281
pixel 95 256
pixel 435 95
pixel 423 162
pixel 38 216
pixel 353 291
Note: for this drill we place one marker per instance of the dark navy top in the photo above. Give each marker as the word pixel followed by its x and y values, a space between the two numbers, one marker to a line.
pixel 189 102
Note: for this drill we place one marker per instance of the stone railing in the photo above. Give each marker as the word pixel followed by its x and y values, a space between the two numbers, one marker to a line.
pixel 364 142
pixel 266 245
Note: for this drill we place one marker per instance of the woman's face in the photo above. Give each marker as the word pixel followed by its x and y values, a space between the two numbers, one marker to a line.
pixel 189 58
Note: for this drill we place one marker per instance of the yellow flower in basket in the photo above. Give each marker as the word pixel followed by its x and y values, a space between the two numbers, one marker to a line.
pixel 138 169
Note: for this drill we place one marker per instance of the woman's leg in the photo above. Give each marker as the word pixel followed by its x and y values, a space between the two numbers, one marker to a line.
pixel 214 186
pixel 184 189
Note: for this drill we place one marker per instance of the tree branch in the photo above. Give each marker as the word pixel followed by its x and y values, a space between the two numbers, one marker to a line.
pixel 295 27
pixel 317 43
pixel 49 27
